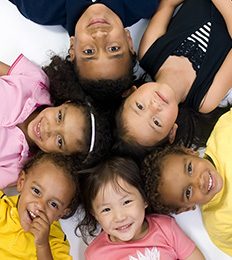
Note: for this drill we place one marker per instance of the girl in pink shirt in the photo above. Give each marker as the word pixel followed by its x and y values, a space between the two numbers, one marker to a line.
pixel 29 122
pixel 113 196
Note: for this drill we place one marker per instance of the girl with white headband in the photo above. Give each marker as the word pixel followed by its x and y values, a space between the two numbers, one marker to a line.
pixel 32 120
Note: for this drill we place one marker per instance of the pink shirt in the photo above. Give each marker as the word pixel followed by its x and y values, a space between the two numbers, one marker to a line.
pixel 164 241
pixel 22 90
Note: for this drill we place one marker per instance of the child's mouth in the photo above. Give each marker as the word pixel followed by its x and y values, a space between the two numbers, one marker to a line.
pixel 31 215
pixel 210 183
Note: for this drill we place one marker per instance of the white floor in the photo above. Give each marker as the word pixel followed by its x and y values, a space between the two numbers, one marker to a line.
pixel 18 35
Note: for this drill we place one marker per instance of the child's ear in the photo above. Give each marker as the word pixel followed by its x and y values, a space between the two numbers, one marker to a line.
pixel 130 42
pixel 21 181
pixel 129 91
pixel 63 213
pixel 184 209
pixel 71 49
pixel 192 152
pixel 172 133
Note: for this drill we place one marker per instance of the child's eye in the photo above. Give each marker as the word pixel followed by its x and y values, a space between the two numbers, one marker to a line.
pixel 89 51
pixel 36 190
pixel 60 142
pixel 188 192
pixel 139 106
pixel 126 202
pixel 156 122
pixel 59 116
pixel 54 205
pixel 114 48
pixel 106 210
pixel 190 170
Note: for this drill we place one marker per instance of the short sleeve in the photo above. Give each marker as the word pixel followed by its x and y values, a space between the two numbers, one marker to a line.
pixel 58 242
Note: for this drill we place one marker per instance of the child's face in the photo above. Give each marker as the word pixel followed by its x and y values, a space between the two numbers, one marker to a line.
pixel 188 180
pixel 150 113
pixel 101 46
pixel 120 213
pixel 46 191
pixel 58 129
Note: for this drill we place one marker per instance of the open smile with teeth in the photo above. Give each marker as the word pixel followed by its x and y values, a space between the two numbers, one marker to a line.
pixel 38 130
pixel 210 182
pixel 31 215
pixel 124 227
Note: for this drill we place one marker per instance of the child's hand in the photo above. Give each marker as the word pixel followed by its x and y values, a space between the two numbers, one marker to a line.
pixel 40 228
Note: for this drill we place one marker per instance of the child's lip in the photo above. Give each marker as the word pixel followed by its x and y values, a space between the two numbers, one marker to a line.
pixel 211 182
pixel 124 227
pixel 37 130
pixel 162 97
pixel 31 215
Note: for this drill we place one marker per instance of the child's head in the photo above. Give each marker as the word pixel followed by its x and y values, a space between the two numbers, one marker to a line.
pixel 101 50
pixel 147 116
pixel 113 195
pixel 93 129
pixel 48 185
pixel 177 179
pixel 72 128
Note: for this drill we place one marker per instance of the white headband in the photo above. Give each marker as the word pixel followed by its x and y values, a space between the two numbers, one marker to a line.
pixel 93 133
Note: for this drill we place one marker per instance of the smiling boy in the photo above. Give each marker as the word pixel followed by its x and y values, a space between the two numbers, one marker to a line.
pixel 29 227
pixel 179 180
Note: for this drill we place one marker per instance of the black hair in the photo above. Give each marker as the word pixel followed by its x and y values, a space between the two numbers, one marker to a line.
pixel 64 86
pixel 69 166
pixel 151 171
pixel 92 180
pixel 193 129
pixel 108 89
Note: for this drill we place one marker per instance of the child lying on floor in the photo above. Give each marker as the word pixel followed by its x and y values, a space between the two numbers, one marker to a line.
pixel 28 222
pixel 177 180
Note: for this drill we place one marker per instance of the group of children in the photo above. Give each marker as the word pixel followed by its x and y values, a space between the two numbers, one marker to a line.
pixel 58 135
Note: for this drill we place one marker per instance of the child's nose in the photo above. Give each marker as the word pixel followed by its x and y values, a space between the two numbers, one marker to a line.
pixel 154 106
pixel 119 216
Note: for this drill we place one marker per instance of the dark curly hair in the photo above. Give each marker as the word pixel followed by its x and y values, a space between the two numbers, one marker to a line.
pixel 92 180
pixel 151 171
pixel 64 86
pixel 108 89
pixel 69 166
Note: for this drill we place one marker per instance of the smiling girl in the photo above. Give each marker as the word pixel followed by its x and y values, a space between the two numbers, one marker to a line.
pixel 28 120
pixel 113 196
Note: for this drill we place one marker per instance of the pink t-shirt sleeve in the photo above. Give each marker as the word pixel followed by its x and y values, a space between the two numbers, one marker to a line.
pixel 182 243
pixel 24 87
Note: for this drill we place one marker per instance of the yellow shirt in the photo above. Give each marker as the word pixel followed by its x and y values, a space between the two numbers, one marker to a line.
pixel 17 244
pixel 217 214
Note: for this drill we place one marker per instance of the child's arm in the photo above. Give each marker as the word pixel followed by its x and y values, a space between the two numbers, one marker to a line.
pixel 225 8
pixel 196 255
pixel 158 24
pixel 40 228
pixel 221 84
pixel 3 69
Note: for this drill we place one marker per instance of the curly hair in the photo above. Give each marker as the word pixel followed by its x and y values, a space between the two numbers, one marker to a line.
pixel 151 171
pixel 108 89
pixel 94 179
pixel 69 166
pixel 64 86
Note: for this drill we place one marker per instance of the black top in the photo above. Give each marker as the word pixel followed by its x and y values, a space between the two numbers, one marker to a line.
pixel 192 15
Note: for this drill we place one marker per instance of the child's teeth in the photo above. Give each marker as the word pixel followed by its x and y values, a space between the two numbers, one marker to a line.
pixel 32 214
pixel 38 129
pixel 210 182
